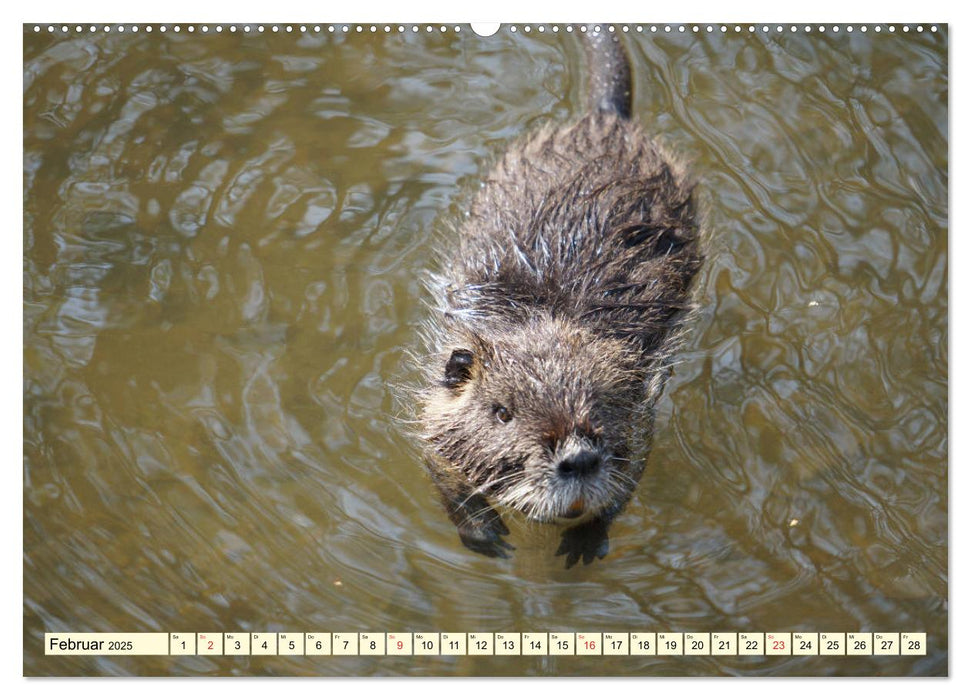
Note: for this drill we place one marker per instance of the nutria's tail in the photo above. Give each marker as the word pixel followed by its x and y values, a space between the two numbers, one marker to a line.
pixel 609 70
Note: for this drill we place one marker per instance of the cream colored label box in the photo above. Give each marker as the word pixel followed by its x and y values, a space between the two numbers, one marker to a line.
pixel 480 643
pixel 859 643
pixel 263 643
pixel 209 643
pixel 886 643
pixel 290 643
pixel 398 643
pixel 100 644
pixel 778 644
pixel 805 643
pixel 535 644
pixel 643 643
pixel 318 644
pixel 562 643
pixel 751 643
pixel 182 644
pixel 236 643
pixel 670 643
pixel 508 643
pixel 344 643
pixel 616 644
pixel 370 644
pixel 913 643
pixel 589 643
pixel 832 643
pixel 724 643
pixel 426 644
pixel 697 643
pixel 453 643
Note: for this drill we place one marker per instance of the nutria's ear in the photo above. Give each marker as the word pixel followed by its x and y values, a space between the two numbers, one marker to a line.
pixel 458 369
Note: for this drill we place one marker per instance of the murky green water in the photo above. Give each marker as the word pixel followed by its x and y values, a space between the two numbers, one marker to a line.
pixel 223 242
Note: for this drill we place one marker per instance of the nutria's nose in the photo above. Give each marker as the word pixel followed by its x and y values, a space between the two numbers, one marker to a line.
pixel 579 465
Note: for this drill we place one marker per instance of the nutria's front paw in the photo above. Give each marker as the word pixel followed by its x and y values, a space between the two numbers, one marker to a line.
pixel 586 541
pixel 485 537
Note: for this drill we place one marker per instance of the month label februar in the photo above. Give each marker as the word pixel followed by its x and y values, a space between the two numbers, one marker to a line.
pixel 96 644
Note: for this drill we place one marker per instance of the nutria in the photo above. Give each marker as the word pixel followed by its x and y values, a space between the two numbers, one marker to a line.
pixel 554 316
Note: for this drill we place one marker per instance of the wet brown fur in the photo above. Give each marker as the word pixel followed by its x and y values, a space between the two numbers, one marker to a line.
pixel 560 301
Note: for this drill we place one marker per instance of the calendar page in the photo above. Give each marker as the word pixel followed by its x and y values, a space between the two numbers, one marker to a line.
pixel 523 349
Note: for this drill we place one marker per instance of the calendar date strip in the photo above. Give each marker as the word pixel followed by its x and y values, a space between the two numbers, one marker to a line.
pixel 486 644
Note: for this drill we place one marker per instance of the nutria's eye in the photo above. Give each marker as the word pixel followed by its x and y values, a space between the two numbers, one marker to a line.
pixel 503 414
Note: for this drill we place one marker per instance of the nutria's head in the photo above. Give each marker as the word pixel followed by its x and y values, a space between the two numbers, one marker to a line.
pixel 537 415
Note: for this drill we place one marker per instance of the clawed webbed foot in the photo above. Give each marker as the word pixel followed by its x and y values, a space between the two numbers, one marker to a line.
pixel 588 541
pixel 486 538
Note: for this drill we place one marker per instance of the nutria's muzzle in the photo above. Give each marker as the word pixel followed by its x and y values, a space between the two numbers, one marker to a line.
pixel 579 464
pixel 577 458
